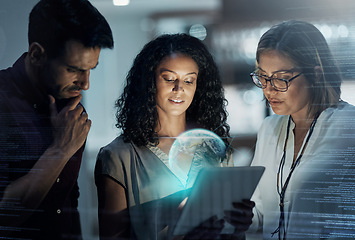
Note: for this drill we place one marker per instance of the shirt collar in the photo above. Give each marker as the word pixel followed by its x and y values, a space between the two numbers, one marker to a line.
pixel 26 88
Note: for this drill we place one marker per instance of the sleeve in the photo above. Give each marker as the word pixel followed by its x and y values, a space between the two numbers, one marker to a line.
pixel 111 162
pixel 75 216
pixel 9 143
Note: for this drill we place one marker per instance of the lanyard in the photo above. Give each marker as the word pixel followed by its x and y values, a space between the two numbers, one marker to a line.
pixel 281 190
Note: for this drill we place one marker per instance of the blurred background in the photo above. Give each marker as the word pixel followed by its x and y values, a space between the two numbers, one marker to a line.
pixel 230 29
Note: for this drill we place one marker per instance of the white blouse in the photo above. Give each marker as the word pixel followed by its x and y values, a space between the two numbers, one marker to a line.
pixel 320 191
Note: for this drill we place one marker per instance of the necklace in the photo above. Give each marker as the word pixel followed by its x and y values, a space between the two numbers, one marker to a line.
pixel 281 189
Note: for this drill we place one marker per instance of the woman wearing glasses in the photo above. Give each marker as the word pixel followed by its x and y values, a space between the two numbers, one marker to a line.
pixel 302 143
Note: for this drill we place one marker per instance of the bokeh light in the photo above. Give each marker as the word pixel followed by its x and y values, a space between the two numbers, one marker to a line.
pixel 199 31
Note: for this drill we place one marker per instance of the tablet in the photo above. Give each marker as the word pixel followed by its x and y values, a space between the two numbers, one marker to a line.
pixel 214 190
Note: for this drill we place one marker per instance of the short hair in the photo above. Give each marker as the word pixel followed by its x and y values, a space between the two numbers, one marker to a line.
pixel 305 45
pixel 52 23
pixel 137 113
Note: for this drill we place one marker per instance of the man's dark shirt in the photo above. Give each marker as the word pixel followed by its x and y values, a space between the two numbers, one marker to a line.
pixel 25 133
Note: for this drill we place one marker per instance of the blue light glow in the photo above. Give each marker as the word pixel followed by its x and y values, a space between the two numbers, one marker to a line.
pixel 193 150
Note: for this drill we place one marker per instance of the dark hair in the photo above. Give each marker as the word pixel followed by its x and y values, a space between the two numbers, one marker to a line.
pixel 305 45
pixel 54 22
pixel 136 108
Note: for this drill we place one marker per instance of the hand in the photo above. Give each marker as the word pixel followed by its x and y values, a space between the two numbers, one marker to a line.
pixel 241 217
pixel 209 229
pixel 71 126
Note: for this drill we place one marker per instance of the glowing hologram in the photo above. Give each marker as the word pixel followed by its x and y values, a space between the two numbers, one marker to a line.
pixel 193 150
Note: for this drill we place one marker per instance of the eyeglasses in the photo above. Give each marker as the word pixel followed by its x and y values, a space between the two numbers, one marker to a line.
pixel 279 80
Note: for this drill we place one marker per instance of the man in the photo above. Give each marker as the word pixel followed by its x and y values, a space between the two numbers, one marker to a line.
pixel 43 126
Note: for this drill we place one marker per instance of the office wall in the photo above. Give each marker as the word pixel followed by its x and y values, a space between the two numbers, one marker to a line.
pixel 13 29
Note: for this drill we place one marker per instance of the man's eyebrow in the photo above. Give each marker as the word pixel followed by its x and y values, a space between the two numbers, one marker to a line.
pixel 80 69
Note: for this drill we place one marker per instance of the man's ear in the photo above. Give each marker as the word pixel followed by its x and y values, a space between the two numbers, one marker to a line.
pixel 37 54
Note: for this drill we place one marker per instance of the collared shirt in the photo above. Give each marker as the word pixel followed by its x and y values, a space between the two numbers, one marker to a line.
pixel 25 133
pixel 315 197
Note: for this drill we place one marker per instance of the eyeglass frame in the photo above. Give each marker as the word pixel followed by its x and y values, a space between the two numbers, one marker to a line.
pixel 271 79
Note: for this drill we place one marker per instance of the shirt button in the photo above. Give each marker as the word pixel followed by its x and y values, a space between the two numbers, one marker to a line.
pixel 58 180
pixel 59 211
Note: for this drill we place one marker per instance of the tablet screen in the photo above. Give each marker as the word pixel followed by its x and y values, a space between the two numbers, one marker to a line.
pixel 214 190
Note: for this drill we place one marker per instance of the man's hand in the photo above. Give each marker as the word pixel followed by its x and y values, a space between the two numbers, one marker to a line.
pixel 71 126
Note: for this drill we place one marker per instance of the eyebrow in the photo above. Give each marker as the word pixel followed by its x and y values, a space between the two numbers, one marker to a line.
pixel 167 70
pixel 288 70
pixel 80 69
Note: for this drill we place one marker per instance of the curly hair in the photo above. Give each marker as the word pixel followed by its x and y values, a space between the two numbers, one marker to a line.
pixel 137 113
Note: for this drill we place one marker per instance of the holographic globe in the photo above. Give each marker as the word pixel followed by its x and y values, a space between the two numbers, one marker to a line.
pixel 193 150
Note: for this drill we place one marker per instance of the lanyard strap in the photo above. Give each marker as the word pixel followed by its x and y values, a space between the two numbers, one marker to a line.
pixel 280 171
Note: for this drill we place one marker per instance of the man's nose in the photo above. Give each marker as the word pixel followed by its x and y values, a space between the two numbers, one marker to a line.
pixel 84 82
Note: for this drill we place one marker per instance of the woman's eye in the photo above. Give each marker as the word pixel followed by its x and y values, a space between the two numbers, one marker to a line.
pixel 190 81
pixel 169 79
pixel 285 76
pixel 263 77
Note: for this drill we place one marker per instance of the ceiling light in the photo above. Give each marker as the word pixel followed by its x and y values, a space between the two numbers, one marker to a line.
pixel 121 2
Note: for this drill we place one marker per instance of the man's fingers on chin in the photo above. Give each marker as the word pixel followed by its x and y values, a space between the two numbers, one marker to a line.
pixel 74 103
pixel 88 123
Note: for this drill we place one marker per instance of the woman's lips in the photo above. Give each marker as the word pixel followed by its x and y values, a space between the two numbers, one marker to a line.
pixel 176 101
pixel 274 102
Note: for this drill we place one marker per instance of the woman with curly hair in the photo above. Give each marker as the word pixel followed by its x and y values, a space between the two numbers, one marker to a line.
pixel 173 86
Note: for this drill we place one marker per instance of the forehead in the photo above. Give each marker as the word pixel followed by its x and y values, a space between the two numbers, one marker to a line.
pixel 272 61
pixel 178 61
pixel 76 54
